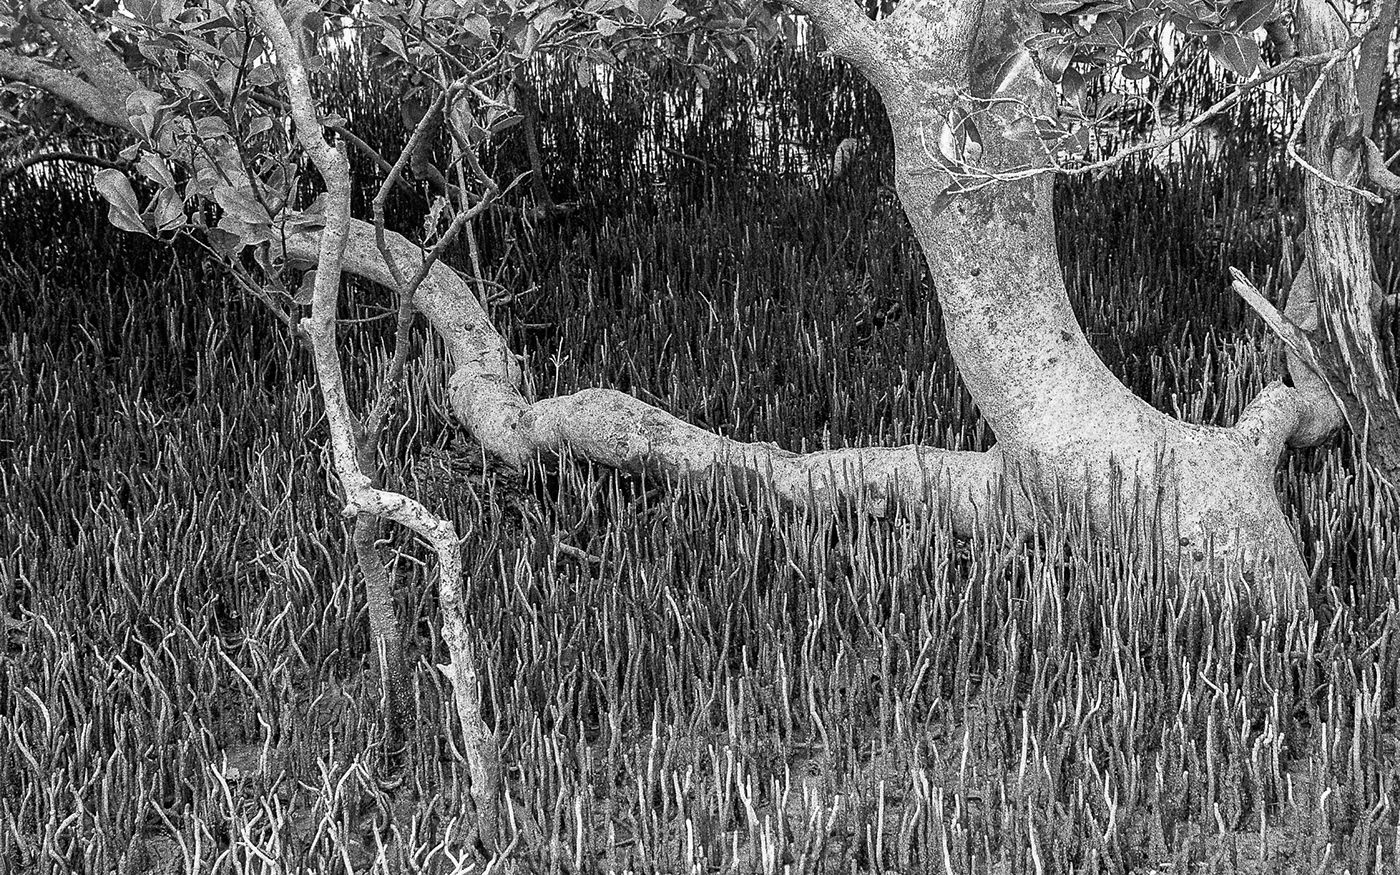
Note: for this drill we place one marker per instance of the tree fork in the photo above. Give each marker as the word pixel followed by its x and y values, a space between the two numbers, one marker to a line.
pixel 483 759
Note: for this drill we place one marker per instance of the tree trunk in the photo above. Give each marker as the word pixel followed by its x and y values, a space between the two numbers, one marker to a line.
pixel 396 705
pixel 1069 428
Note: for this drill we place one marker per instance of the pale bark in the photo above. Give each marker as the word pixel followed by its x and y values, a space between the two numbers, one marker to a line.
pixel 361 496
pixel 395 701
pixel 1059 414
pixel 104 70
pixel 618 430
pixel 67 87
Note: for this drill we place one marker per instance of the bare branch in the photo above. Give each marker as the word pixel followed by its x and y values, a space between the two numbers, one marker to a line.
pixel 335 171
pixel 1292 336
pixel 391 178
pixel 973 176
pixel 49 157
pixel 62 84
pixel 393 376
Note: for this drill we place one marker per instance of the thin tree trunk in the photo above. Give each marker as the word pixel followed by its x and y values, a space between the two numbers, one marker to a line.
pixel 527 102
pixel 396 705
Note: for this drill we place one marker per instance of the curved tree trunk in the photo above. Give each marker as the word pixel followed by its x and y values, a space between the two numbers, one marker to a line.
pixel 955 79
pixel 615 429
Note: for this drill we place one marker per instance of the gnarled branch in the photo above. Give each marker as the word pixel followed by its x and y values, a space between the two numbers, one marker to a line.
pixel 618 430
pixel 853 37
pixel 66 86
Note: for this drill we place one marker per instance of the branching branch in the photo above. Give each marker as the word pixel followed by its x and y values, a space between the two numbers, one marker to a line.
pixel 407 287
pixel 972 176
pixel 361 496
pixel 391 178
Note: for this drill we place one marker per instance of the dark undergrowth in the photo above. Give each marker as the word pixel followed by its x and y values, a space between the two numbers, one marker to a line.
pixel 681 681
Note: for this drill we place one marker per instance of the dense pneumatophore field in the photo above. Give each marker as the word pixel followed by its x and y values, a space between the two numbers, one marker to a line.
pixel 681 680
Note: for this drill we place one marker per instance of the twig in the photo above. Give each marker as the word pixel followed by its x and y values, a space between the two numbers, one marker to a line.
pixel 47 157
pixel 1298 131
pixel 982 178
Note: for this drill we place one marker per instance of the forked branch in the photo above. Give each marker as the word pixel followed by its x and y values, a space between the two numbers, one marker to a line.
pixel 361 496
